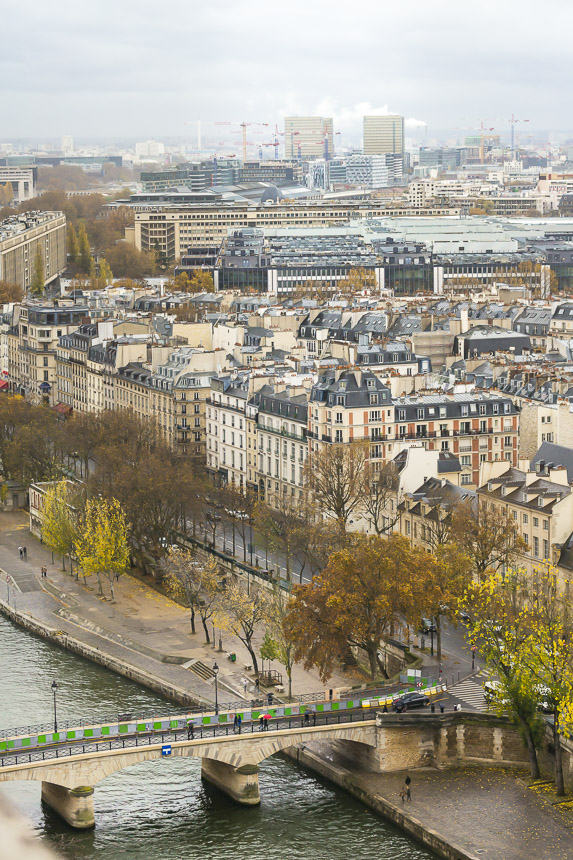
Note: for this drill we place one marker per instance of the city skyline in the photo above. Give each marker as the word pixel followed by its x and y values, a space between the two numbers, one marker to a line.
pixel 146 75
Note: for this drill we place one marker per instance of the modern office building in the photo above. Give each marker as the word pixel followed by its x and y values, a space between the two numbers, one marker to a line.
pixel 21 236
pixel 368 171
pixel 308 137
pixel 23 179
pixel 384 134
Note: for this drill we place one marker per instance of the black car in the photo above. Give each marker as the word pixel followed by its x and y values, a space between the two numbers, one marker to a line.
pixel 410 700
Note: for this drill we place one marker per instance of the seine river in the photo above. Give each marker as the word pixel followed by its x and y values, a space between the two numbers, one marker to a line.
pixel 161 810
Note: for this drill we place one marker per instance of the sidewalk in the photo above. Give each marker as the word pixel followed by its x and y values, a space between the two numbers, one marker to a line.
pixel 143 627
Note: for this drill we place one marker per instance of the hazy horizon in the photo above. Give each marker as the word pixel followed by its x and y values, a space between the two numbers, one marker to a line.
pixel 94 73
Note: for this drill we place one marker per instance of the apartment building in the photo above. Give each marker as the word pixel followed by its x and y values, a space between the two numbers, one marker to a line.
pixel 227 428
pixel 355 405
pixel 172 391
pixel 33 340
pixel 22 236
pixel 281 443
pixel 539 500
pixel 426 511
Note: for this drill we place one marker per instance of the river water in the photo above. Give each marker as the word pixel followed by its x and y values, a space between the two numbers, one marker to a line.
pixel 161 810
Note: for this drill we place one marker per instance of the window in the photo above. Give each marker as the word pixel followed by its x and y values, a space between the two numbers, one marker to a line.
pixel 482 409
pixel 545 549
pixel 464 411
pixel 536 547
pixel 338 435
pixel 373 399
pixel 525 519
pixel 546 525
pixel 338 417
pixel 465 460
pixel 407 527
pixel 401 414
pixel 466 479
pixel 535 522
pixel 420 414
pixel 507 441
pixel 374 416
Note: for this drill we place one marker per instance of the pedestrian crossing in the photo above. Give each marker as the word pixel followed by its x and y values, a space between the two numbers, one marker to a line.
pixel 470 692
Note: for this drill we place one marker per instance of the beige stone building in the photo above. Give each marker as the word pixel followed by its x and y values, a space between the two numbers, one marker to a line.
pixel 22 236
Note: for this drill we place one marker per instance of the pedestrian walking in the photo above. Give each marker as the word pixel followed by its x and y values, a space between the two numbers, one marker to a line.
pixel 261 723
pixel 408 795
pixel 257 684
pixel 433 708
pixel 239 722
pixel 245 684
pixel 306 718
pixel 21 551
pixel 385 708
pixel 442 706
pixel 403 794
pixel 266 719
pixel 190 730
pixel 235 724
pixel 25 552
pixel 408 780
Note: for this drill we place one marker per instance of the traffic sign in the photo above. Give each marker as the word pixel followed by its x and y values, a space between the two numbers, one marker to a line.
pixel 166 749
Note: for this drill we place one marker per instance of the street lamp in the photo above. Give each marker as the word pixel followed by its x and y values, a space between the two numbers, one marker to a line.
pixel 215 673
pixel 54 691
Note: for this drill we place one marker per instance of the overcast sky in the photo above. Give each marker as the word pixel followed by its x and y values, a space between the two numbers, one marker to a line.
pixel 142 68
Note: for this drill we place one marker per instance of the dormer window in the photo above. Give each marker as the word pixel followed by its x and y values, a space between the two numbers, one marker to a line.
pixel 540 502
pixel 373 398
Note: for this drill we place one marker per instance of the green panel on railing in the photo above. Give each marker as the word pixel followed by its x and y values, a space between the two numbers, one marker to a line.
pixel 206 721
pixel 10 745
pixel 320 708
pixel 335 706
pixel 255 715
pixel 2 746
pixel 105 730
pixel 141 727
pixel 71 736
pixel 223 718
pixel 288 712
pixel 349 703
pixel 88 733
pixel 26 742
pixel 158 725
pixel 174 723
pixel 56 737
pixel 41 739
pixel 123 730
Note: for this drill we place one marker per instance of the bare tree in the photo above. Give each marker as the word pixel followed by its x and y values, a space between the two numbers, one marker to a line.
pixel 336 475
pixel 381 498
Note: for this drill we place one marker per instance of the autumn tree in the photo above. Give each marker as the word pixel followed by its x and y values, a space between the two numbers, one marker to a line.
pixel 366 591
pixel 498 628
pixel 488 536
pixel 444 588
pixel 194 577
pixel 198 281
pixel 105 273
pixel 127 262
pixel 547 652
pixel 102 542
pixel 244 613
pixel 72 243
pixel 84 250
pixel 336 477
pixel 10 292
pixel 356 281
pixel 6 194
pixel 38 280
pixel 284 650
pixel 59 520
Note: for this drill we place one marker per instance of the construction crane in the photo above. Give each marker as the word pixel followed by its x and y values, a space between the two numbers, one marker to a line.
pixel 513 121
pixel 243 126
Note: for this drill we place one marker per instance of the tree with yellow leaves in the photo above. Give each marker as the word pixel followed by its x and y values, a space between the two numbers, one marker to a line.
pixel 59 520
pixel 102 544
pixel 244 611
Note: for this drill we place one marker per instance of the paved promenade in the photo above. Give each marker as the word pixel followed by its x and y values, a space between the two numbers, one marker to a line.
pixel 142 628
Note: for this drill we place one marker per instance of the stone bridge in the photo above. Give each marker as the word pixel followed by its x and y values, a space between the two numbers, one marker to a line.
pixel 387 743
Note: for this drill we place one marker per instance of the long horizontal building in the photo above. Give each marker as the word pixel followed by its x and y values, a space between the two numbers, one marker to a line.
pixel 21 236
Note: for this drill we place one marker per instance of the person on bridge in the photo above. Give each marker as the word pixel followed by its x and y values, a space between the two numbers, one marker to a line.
pixel 306 718
pixel 239 722
pixel 235 723
pixel 262 723
pixel 190 729
pixel 314 718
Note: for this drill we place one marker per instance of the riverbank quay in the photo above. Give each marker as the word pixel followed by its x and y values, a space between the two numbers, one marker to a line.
pixel 144 635
pixel 466 813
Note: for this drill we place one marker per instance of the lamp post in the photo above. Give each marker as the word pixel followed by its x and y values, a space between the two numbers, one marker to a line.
pixel 54 691
pixel 215 673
